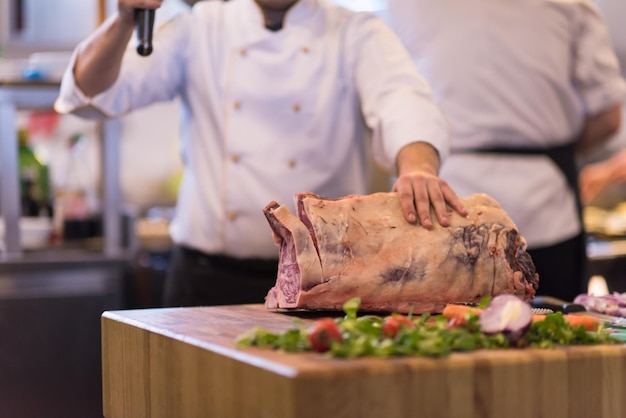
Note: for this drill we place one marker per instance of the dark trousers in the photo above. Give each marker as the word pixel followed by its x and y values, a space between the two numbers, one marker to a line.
pixel 563 268
pixel 198 279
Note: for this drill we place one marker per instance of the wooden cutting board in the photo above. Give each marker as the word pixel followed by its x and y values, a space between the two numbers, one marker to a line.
pixel 182 362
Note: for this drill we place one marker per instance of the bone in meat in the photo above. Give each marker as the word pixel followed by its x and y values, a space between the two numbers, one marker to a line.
pixel 336 249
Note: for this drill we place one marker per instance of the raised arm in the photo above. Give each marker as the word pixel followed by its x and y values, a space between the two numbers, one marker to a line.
pixel 100 58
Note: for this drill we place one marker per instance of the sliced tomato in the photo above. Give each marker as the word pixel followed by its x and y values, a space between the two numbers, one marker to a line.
pixel 322 333
pixel 392 325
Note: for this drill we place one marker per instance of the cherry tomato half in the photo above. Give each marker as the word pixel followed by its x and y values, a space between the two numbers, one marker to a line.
pixel 393 324
pixel 322 333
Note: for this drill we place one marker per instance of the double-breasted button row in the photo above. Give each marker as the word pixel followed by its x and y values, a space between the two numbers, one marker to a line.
pixel 296 107
pixel 244 51
pixel 236 158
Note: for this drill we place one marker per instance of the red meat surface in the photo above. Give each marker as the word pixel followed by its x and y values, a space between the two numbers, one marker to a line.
pixel 361 246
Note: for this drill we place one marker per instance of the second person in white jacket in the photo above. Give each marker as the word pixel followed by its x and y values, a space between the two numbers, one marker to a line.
pixel 526 85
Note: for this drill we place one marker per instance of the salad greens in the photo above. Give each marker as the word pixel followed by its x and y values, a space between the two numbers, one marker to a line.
pixel 432 336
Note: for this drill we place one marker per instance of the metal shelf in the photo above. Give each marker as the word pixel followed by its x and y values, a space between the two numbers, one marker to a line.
pixel 42 95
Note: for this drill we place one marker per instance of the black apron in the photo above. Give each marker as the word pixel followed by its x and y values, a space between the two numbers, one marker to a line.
pixel 563 156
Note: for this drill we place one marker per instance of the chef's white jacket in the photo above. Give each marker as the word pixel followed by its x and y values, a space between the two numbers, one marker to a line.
pixel 522 73
pixel 270 114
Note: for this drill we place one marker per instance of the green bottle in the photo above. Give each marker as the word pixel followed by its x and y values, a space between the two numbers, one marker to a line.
pixel 34 183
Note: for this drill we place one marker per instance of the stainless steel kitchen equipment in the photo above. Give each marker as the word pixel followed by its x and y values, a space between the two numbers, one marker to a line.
pixel 51 300
pixel 28 26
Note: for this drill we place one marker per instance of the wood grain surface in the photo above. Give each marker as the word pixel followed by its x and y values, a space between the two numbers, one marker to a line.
pixel 182 363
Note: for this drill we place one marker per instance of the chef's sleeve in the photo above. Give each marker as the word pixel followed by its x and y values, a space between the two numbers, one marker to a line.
pixel 596 68
pixel 396 102
pixel 142 80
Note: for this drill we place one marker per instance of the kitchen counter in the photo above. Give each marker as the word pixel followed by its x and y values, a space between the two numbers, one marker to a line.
pixel 182 362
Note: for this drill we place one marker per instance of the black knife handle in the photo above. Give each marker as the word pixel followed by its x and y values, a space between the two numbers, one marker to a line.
pixel 144 23
pixel 556 304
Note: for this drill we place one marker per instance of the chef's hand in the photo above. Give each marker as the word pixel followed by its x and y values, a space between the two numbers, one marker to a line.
pixel 126 8
pixel 596 177
pixel 592 181
pixel 420 188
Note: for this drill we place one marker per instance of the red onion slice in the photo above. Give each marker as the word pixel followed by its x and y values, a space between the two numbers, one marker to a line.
pixel 507 314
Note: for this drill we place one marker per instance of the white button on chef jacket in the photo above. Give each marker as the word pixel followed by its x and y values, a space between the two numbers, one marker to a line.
pixel 538 108
pixel 294 106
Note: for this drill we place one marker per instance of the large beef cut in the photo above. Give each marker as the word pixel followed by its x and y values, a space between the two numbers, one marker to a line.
pixel 337 249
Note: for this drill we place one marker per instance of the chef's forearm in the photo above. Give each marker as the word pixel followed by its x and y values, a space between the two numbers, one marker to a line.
pixel 100 57
pixel 599 128
pixel 418 156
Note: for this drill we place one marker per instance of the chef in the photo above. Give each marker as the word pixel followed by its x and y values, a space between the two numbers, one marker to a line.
pixel 526 85
pixel 278 97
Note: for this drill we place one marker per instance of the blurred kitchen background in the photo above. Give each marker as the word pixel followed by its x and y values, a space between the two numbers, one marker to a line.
pixel 95 200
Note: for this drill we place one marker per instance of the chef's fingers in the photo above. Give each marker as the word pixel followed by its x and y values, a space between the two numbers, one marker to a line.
pixel 452 199
pixel 438 202
pixel 140 4
pixel 410 197
pixel 442 196
pixel 126 8
pixel 422 203
pixel 421 192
